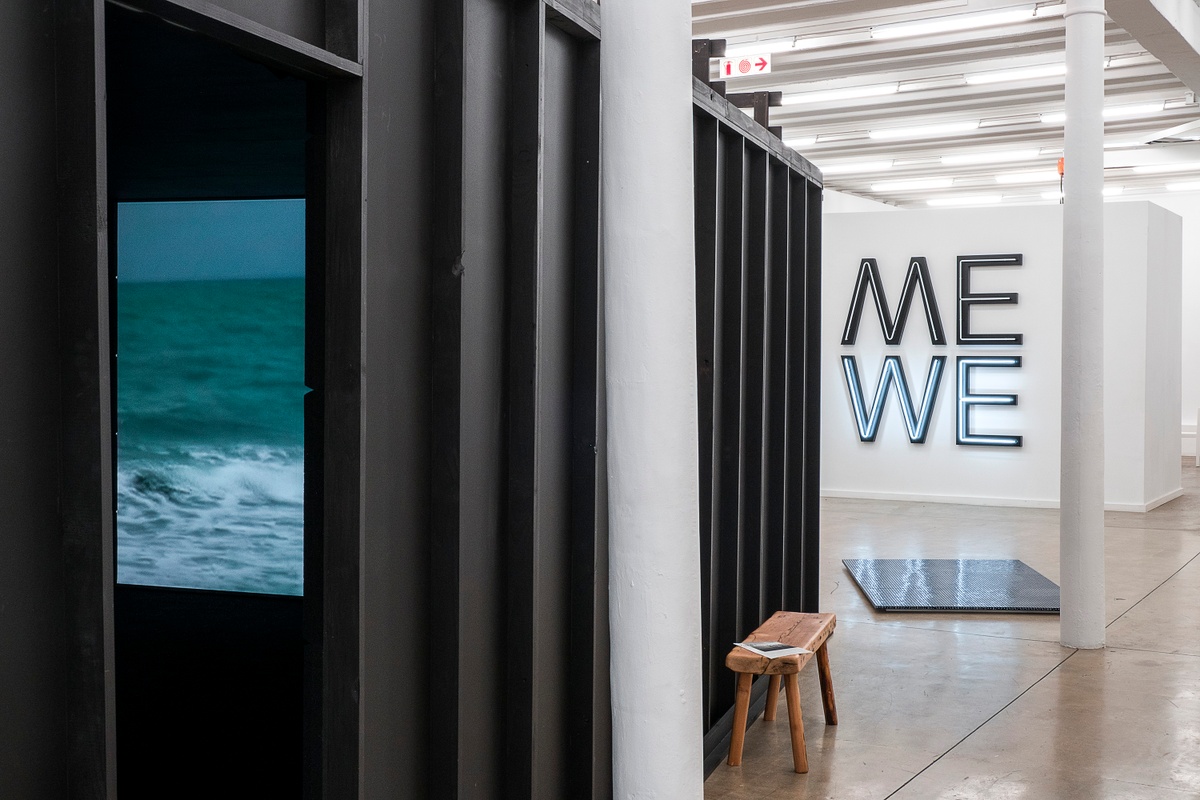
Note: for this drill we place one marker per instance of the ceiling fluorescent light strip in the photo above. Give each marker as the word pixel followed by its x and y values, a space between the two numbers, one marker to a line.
pixel 842 136
pixel 925 131
pixel 1014 119
pixel 1112 112
pixel 1109 191
pixel 915 185
pixel 832 39
pixel 844 93
pixel 956 22
pixel 937 82
pixel 1138 110
pixel 1040 176
pixel 766 47
pixel 1016 74
pixel 855 168
pixel 1158 169
pixel 1187 101
pixel 992 157
pixel 1128 59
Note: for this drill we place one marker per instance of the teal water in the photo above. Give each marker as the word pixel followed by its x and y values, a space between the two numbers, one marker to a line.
pixel 210 442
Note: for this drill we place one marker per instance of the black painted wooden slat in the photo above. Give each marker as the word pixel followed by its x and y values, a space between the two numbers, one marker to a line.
pixel 585 538
pixel 796 412
pixel 525 231
pixel 342 443
pixel 555 368
pixel 728 439
pixel 85 435
pixel 706 178
pixel 776 400
pixel 315 240
pixel 753 364
pixel 810 599
pixel 445 398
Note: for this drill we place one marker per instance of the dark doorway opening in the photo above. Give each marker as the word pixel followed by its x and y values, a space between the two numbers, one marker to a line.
pixel 210 697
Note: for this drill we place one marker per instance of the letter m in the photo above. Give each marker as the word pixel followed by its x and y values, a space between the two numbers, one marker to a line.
pixel 870 280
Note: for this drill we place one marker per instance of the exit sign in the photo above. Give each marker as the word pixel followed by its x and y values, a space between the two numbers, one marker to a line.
pixel 745 66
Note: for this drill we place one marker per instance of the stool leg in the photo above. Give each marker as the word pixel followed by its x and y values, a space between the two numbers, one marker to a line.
pixel 796 723
pixel 826 685
pixel 772 699
pixel 741 710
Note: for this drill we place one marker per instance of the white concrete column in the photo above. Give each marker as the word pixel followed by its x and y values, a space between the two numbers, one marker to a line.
pixel 1081 515
pixel 650 330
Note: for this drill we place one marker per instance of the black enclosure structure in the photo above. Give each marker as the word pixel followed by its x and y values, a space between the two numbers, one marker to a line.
pixel 758 320
pixel 452 639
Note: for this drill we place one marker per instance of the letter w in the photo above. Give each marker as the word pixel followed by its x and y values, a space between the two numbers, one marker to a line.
pixel 893 330
pixel 893 372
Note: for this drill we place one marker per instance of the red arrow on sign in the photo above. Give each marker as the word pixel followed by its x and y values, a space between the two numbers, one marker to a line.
pixel 761 63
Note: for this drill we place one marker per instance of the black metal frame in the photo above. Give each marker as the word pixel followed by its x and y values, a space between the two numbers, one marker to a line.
pixel 758 290
pixel 332 427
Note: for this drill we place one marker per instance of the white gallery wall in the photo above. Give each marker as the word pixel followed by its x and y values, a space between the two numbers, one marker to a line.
pixel 1187 206
pixel 1143 340
pixel 839 202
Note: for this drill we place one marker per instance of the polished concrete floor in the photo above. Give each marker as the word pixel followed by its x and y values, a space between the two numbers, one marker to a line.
pixel 936 706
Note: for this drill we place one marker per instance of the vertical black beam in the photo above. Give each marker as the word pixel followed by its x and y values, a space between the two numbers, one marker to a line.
pixel 342 437
pixel 775 494
pixel 35 632
pixel 728 377
pixel 705 153
pixel 85 435
pixel 557 362
pixel 810 596
pixel 446 395
pixel 482 569
pixel 521 528
pixel 584 611
pixel 762 108
pixel 794 430
pixel 703 51
pixel 754 304
pixel 315 238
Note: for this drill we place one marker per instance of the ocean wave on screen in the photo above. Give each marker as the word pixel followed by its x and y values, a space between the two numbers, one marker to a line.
pixel 208 518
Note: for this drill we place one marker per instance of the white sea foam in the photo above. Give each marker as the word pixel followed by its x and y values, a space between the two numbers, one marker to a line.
pixel 207 519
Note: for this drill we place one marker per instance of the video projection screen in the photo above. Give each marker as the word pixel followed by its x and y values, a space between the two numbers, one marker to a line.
pixel 209 395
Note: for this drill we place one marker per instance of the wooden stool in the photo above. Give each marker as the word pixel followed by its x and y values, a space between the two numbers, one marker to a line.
pixel 809 631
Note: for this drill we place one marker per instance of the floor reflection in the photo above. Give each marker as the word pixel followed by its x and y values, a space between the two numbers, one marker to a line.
pixel 939 705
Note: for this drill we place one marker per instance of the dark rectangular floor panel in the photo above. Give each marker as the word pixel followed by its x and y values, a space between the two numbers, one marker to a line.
pixel 953 584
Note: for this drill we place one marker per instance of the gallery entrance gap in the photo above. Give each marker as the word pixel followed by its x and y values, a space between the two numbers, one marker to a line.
pixel 207 196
